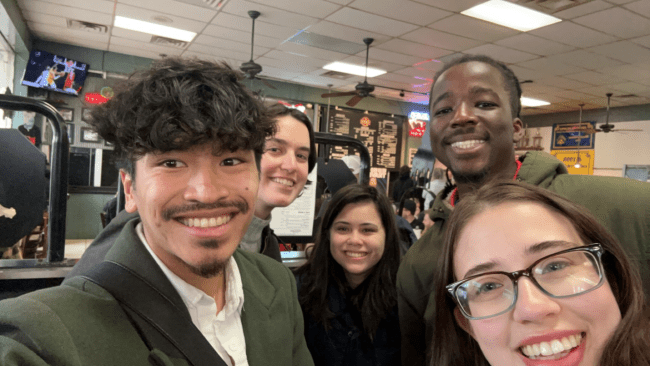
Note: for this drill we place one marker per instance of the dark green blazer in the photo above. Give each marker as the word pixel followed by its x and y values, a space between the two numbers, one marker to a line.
pixel 79 323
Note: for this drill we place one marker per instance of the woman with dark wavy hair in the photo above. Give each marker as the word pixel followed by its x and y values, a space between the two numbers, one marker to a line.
pixel 528 277
pixel 347 287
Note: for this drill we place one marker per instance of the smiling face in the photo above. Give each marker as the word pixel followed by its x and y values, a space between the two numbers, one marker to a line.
pixel 357 240
pixel 284 166
pixel 510 237
pixel 195 205
pixel 472 126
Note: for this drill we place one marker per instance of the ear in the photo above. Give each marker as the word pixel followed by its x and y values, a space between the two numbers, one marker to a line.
pixel 128 184
pixel 518 129
pixel 463 322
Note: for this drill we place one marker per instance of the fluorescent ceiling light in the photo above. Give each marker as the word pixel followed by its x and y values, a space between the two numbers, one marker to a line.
pixel 155 29
pixel 510 15
pixel 353 69
pixel 530 102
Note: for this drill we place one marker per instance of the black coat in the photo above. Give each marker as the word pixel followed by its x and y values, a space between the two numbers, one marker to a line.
pixel 346 344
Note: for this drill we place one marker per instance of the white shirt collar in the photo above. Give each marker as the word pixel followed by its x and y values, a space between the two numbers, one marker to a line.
pixel 192 295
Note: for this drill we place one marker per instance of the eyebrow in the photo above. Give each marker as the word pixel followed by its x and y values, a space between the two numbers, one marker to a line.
pixel 533 249
pixel 285 142
pixel 362 224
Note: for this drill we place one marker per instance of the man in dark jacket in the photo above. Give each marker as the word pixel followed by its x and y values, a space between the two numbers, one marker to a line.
pixel 475 105
pixel 403 183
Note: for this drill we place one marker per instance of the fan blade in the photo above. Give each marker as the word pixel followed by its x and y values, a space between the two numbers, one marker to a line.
pixel 626 130
pixel 267 83
pixel 354 100
pixel 341 94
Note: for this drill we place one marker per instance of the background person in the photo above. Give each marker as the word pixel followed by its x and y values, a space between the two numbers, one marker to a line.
pixel 287 160
pixel 403 183
pixel 474 106
pixel 578 307
pixel 347 287
pixel 189 137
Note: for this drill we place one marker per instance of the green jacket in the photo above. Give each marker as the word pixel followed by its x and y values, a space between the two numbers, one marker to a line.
pixel 620 204
pixel 80 323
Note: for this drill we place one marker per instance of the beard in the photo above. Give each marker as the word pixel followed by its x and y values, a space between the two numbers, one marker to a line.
pixel 211 269
pixel 472 178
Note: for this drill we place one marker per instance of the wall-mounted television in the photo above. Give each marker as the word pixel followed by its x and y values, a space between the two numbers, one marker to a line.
pixel 51 72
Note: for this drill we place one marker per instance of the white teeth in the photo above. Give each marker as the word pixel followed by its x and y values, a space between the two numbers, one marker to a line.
pixel 554 347
pixel 467 144
pixel 355 255
pixel 206 222
pixel 286 182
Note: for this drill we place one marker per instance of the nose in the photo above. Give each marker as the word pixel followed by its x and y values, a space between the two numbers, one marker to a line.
pixel 532 304
pixel 289 162
pixel 205 185
pixel 464 114
pixel 355 238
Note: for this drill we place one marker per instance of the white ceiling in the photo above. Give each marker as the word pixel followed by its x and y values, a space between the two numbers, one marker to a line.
pixel 600 46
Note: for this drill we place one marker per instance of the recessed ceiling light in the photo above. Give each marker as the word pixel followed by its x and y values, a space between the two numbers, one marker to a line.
pixel 155 29
pixel 530 102
pixel 353 69
pixel 510 15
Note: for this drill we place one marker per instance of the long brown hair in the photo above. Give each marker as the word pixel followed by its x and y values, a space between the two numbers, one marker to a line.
pixel 379 296
pixel 628 345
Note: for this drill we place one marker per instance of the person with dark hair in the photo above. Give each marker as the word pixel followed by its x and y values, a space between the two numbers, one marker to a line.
pixel 289 156
pixel 408 213
pixel 474 110
pixel 427 220
pixel 403 183
pixel 347 287
pixel 580 300
pixel 188 137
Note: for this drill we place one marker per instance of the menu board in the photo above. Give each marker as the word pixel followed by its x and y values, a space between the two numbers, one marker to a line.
pixel 381 133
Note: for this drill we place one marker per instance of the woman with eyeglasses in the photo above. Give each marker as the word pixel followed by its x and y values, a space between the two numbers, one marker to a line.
pixel 530 278
pixel 347 287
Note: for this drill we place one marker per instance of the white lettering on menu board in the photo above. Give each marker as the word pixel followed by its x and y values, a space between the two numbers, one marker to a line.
pixel 297 219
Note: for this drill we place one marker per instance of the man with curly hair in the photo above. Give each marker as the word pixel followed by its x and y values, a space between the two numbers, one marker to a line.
pixel 174 288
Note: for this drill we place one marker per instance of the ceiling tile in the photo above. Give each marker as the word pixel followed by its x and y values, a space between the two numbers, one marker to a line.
pixel 594 78
pixel 319 81
pixel 149 15
pixel 399 78
pixel 430 65
pixel 172 7
pixel 583 9
pixel 392 57
pixel 406 11
pixel 502 54
pixel 597 90
pixel 64 33
pixel 619 2
pixel 371 22
pixel 133 51
pixel 101 6
pixel 239 36
pixel 32 17
pixel 268 14
pixel 628 72
pixel 534 88
pixel 425 75
pixel 230 45
pixel 571 94
pixel 552 67
pixel 170 51
pixel 307 51
pixel 562 82
pixel 340 2
pixel 640 7
pixel 643 41
pixel 414 49
pixel 42 7
pixel 617 21
pixel 313 8
pixel 245 24
pixel 129 34
pixel 585 59
pixel 292 58
pixel 440 39
pixel 630 87
pixel 389 67
pixel 535 45
pixel 233 63
pixel 297 64
pixel 242 56
pixel 573 34
pixel 473 28
pixel 623 51
pixel 452 5
pixel 347 33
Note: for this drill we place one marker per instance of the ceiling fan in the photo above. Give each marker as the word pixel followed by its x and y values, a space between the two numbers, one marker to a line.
pixel 363 89
pixel 606 127
pixel 250 68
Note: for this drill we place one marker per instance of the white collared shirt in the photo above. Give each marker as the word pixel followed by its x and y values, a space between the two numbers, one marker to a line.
pixel 224 330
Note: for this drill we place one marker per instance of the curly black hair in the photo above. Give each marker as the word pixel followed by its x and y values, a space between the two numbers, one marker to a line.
pixel 509 78
pixel 179 103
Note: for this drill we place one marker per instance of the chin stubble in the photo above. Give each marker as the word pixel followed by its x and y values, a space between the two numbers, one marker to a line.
pixel 209 270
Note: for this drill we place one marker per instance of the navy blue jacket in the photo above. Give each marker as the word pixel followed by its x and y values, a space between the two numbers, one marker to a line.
pixel 345 343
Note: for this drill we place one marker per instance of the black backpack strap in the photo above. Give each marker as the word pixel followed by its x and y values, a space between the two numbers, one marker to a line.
pixel 160 312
